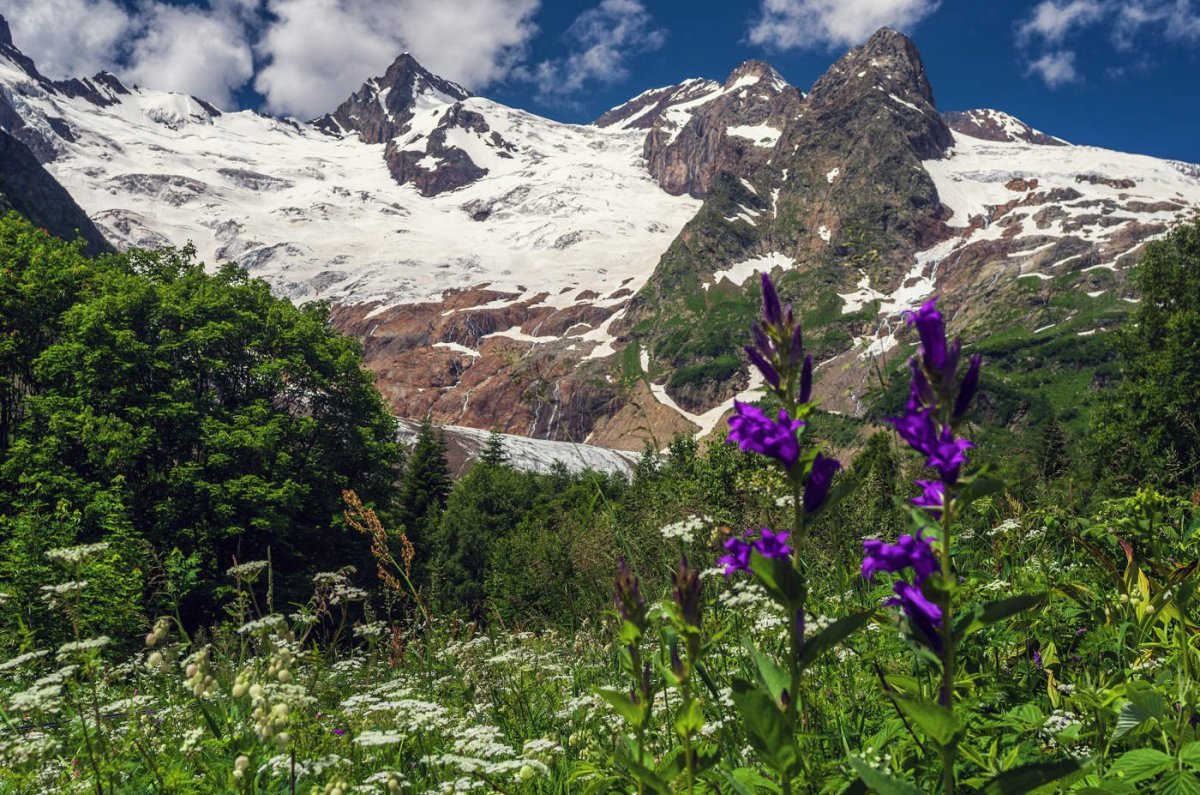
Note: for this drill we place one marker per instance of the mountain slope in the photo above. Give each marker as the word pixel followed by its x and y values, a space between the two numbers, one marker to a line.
pixel 587 282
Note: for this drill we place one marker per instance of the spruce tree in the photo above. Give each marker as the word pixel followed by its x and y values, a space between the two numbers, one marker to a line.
pixel 423 495
pixel 494 452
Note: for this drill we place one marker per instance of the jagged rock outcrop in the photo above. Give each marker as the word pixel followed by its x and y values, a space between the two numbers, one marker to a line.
pixel 996 125
pixel 25 186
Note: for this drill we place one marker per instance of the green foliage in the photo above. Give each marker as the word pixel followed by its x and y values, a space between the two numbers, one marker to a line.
pixel 195 412
pixel 423 494
pixel 1148 428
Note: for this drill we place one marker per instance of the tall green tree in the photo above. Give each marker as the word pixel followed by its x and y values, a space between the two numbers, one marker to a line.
pixel 1149 429
pixel 218 421
pixel 423 495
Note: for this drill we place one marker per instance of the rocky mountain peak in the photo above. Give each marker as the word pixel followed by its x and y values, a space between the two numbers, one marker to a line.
pixel 889 60
pixel 5 32
pixel 755 71
pixel 383 107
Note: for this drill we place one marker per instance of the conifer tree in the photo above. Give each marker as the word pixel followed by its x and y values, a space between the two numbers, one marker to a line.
pixel 423 494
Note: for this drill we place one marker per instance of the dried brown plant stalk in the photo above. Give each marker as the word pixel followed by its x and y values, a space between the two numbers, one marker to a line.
pixel 365 521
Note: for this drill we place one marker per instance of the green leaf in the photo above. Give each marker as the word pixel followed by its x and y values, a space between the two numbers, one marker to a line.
pixel 1140 763
pixel 1178 782
pixel 748 781
pixel 767 728
pixel 820 642
pixel 648 777
pixel 1142 707
pixel 689 718
pixel 1026 778
pixel 779 579
pixel 880 781
pixel 1189 754
pixel 937 722
pixel 623 705
pixel 771 675
pixel 999 610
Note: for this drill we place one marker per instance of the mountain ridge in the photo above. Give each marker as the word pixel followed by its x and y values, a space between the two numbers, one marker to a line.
pixel 582 282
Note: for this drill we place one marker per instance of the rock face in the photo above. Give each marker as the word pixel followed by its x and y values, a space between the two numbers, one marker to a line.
pixel 590 283
pixel 699 129
pixel 27 188
pixel 996 125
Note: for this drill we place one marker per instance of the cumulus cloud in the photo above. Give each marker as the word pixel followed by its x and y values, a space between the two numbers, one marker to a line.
pixel 1056 68
pixel 316 52
pixel 1130 23
pixel 201 50
pixel 801 24
pixel 602 40
pixel 67 38
pixel 1052 20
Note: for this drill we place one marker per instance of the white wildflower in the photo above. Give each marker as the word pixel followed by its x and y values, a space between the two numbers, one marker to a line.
pixel 70 557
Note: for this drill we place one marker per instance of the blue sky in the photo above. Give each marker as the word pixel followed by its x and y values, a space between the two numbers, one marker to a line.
pixel 1122 75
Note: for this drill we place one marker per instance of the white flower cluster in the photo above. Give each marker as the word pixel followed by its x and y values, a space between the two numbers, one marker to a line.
pixel 686 529
pixel 71 557
pixel 17 662
pixel 389 781
pixel 25 748
pixel 45 694
pixel 247 571
pixel 81 647
pixel 58 596
pixel 373 739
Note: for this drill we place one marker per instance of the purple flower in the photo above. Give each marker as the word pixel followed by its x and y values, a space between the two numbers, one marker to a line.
pixel 932 330
pixel 942 451
pixel 772 312
pixel 753 431
pixel 738 559
pixel 968 387
pixel 627 596
pixel 932 497
pixel 339 732
pixel 1037 659
pixel 948 455
pixel 915 552
pixel 772 545
pixel 764 367
pixel 924 617
pixel 806 380
pixel 819 481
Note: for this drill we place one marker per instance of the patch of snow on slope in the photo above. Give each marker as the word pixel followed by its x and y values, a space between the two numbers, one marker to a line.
pixel 761 134
pixel 739 272
pixel 832 174
pixel 707 421
pixel 862 296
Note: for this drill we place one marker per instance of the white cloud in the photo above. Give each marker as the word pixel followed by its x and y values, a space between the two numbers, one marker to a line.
pixel 68 38
pixel 317 52
pixel 603 39
pixel 1052 20
pixel 1055 68
pixel 201 50
pixel 205 52
pixel 807 24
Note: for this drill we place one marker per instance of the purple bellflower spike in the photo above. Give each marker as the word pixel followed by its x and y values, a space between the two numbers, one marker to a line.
pixel 932 330
pixel 968 388
pixel 772 312
pixel 772 545
pixel 819 481
pixel 738 559
pixel 806 380
pixel 932 497
pixel 923 615
pixel 915 552
pixel 763 366
pixel 752 430
pixel 796 348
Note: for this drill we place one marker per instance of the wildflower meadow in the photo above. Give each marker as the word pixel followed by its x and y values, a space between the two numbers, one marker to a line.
pixel 925 606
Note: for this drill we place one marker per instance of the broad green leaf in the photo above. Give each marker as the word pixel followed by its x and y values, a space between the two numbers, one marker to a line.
pixel 623 705
pixel 1189 754
pixel 689 718
pixel 1024 779
pixel 1178 782
pixel 771 674
pixel 648 777
pixel 766 727
pixel 819 642
pixel 779 579
pixel 937 722
pixel 1141 708
pixel 1140 763
pixel 999 610
pixel 881 782
pixel 748 781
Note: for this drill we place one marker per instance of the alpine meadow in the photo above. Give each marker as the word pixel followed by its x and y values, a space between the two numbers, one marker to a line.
pixel 745 440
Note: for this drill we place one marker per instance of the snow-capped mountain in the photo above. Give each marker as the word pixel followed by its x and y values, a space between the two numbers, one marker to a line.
pixel 584 281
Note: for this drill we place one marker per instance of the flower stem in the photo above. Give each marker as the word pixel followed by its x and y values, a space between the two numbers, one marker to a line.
pixel 950 752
